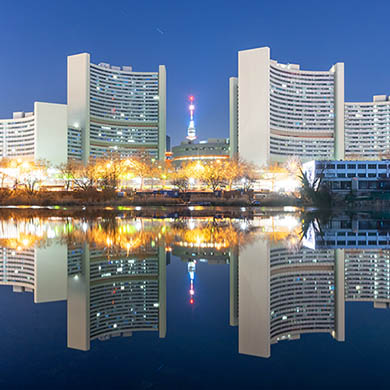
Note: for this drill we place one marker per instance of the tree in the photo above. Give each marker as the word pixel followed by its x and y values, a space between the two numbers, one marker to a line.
pixel 143 168
pixel 314 193
pixel 180 180
pixel 86 176
pixel 214 175
pixel 4 165
pixel 249 175
pixel 109 173
pixel 237 170
pixel 31 174
pixel 67 172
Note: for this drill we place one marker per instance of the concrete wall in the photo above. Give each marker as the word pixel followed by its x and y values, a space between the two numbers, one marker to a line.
pixel 233 116
pixel 51 132
pixel 254 300
pixel 51 273
pixel 253 105
pixel 162 112
pixel 78 305
pixel 79 97
pixel 339 143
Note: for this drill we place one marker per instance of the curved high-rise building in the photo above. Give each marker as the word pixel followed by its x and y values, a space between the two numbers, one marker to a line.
pixel 117 111
pixel 367 129
pixel 280 110
pixel 32 134
pixel 283 294
pixel 112 295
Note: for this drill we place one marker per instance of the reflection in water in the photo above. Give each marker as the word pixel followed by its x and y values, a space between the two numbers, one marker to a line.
pixel 112 271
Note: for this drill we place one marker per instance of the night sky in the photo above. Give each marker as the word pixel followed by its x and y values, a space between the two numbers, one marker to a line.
pixel 197 41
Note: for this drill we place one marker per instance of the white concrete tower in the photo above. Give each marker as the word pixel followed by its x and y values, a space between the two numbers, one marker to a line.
pixel 191 131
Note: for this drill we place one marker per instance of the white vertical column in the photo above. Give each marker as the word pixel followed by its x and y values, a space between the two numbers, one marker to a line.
pixel 51 128
pixel 79 98
pixel 162 291
pixel 233 117
pixel 78 305
pixel 162 112
pixel 253 105
pixel 51 273
pixel 254 300
pixel 233 290
pixel 339 295
pixel 339 142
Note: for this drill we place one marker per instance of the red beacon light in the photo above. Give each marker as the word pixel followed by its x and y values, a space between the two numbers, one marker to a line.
pixel 191 98
pixel 192 301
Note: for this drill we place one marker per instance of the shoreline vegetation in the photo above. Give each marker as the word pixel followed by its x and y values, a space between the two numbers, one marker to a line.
pixel 154 198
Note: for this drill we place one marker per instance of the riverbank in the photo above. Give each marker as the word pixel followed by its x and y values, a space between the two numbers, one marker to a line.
pixel 164 199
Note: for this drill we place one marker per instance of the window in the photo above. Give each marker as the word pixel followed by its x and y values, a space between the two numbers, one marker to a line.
pixel 382 166
pixel 345 185
pixel 330 166
pixel 361 175
pixel 361 166
pixel 372 185
pixel 371 166
pixel 336 185
pixel 340 166
pixel 363 185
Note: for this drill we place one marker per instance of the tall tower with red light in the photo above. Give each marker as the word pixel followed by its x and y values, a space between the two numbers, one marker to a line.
pixel 191 132
pixel 191 267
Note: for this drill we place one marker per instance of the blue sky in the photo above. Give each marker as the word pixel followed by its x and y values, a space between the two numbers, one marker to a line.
pixel 197 41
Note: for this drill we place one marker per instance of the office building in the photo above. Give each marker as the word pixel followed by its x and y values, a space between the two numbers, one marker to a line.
pixel 287 294
pixel 211 149
pixel 37 135
pixel 115 111
pixel 343 176
pixel 29 267
pixel 279 110
pixel 115 297
pixel 367 129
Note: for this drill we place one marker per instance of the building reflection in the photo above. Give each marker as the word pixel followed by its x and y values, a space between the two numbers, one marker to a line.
pixel 282 295
pixel 113 274
pixel 29 267
pixel 116 294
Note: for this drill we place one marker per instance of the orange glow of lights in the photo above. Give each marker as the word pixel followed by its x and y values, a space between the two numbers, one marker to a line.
pixel 192 301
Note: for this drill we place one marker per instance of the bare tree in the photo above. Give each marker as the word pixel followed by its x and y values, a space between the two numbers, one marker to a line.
pixel 86 176
pixel 214 175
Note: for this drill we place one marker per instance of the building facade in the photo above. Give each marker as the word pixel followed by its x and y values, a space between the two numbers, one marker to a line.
pixel 113 110
pixel 343 176
pixel 279 110
pixel 367 129
pixel 116 297
pixel 32 135
pixel 211 149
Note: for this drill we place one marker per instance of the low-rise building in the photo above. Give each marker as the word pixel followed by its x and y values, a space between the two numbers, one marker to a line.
pixel 211 149
pixel 37 135
pixel 344 176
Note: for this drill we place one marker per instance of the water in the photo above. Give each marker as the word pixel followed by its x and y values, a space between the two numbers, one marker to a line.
pixel 195 301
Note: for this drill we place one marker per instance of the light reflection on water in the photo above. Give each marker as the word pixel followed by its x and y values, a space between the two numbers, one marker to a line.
pixel 290 274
